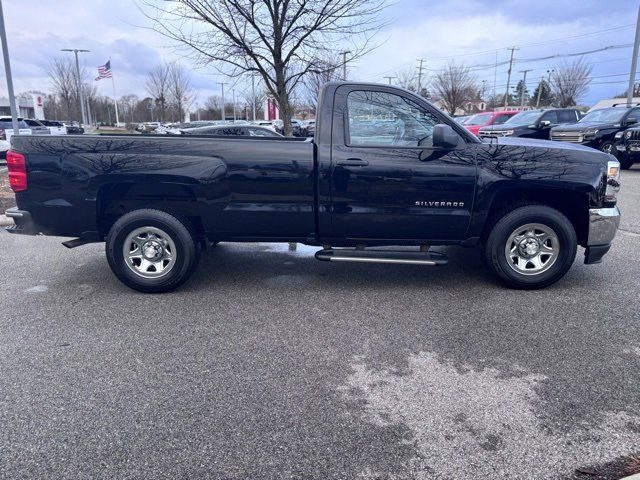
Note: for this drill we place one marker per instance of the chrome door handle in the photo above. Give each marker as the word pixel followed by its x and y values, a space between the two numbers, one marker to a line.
pixel 352 162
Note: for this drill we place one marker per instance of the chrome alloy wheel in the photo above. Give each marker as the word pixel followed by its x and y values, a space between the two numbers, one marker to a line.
pixel 149 252
pixel 532 249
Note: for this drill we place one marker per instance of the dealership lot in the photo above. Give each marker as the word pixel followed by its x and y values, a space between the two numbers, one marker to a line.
pixel 269 364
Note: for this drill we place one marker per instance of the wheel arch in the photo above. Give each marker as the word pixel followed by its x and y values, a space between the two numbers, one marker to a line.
pixel 573 204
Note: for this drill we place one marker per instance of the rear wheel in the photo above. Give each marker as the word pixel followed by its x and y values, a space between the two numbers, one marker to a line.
pixel 152 251
pixel 531 247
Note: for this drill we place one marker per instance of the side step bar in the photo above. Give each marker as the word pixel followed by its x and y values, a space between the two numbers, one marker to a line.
pixel 382 256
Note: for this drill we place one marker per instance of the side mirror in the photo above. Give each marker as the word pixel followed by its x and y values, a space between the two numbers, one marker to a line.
pixel 544 123
pixel 631 120
pixel 444 136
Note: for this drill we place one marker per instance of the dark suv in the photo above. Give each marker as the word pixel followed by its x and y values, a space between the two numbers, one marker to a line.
pixel 628 147
pixel 532 123
pixel 598 128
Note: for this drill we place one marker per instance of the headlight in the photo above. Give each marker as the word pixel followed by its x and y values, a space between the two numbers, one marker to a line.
pixel 506 133
pixel 590 133
pixel 613 181
pixel 618 135
pixel 627 134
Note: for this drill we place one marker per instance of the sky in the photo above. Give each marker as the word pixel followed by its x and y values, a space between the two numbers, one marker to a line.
pixel 476 33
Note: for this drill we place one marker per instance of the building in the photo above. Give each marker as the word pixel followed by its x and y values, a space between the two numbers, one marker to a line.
pixel 29 106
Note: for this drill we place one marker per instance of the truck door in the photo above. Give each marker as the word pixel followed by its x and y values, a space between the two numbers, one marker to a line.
pixel 387 179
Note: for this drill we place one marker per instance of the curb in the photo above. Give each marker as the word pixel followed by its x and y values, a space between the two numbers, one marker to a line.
pixel 5 221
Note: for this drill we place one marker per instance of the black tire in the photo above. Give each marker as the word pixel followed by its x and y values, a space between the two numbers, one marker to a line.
pixel 185 257
pixel 508 271
pixel 626 163
pixel 608 147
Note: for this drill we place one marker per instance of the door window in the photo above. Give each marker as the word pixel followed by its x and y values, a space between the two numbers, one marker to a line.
pixel 260 132
pixel 567 116
pixel 551 117
pixel 380 119
pixel 500 119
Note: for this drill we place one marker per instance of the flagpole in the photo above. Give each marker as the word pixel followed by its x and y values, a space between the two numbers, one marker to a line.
pixel 115 97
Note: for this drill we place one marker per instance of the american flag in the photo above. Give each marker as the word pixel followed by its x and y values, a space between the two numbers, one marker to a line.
pixel 104 71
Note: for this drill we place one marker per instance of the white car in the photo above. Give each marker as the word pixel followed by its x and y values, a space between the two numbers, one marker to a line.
pixel 6 131
pixel 266 124
pixel 56 128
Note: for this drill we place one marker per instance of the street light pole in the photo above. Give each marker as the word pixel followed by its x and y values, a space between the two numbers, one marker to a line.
pixel 7 69
pixel 634 62
pixel 253 95
pixel 344 63
pixel 233 93
pixel 222 84
pixel 80 93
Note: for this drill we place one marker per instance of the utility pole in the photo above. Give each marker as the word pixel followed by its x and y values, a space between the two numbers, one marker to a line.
pixel 344 63
pixel 506 94
pixel 7 70
pixel 420 69
pixel 634 62
pixel 222 84
pixel 253 95
pixel 233 93
pixel 80 93
pixel 524 87
pixel 484 86
pixel 539 91
pixel 389 79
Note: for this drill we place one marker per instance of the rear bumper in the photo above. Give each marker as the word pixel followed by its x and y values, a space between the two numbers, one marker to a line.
pixel 23 223
pixel 603 225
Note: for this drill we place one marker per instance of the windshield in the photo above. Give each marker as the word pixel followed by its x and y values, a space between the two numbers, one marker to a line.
pixel 613 115
pixel 478 119
pixel 524 118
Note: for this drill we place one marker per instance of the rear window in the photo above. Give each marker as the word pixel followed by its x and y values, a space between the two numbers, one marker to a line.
pixel 500 119
pixel 6 124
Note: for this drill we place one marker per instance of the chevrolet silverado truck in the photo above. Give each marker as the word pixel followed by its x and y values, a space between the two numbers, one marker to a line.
pixel 387 176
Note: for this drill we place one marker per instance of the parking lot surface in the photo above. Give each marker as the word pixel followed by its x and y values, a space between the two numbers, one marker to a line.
pixel 270 364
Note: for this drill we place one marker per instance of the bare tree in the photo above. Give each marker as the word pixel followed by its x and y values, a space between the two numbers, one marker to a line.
pixel 570 82
pixel 407 78
pixel 158 87
pixel 280 40
pixel 327 70
pixel 179 88
pixel 258 99
pixel 64 82
pixel 454 85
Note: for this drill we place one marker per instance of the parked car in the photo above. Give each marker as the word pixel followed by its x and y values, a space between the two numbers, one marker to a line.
pixel 296 129
pixel 37 127
pixel 486 119
pixel 232 130
pixel 462 119
pixel 308 128
pixel 55 127
pixel 598 128
pixel 6 131
pixel 73 128
pixel 532 123
pixel 628 147
pixel 157 201
pixel 266 124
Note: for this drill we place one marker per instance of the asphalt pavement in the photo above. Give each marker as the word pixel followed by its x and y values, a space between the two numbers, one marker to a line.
pixel 269 364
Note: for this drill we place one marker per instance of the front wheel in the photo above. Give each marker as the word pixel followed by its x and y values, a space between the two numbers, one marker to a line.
pixel 531 247
pixel 608 147
pixel 152 251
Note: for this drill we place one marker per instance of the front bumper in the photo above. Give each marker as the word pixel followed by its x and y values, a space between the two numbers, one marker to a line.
pixel 603 225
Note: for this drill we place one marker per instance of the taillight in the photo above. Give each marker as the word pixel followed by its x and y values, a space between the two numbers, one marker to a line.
pixel 17 166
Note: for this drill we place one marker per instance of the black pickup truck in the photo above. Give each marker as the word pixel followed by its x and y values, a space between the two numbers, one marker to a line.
pixel 386 168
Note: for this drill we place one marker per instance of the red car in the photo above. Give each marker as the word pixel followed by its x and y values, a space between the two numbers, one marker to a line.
pixel 474 123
